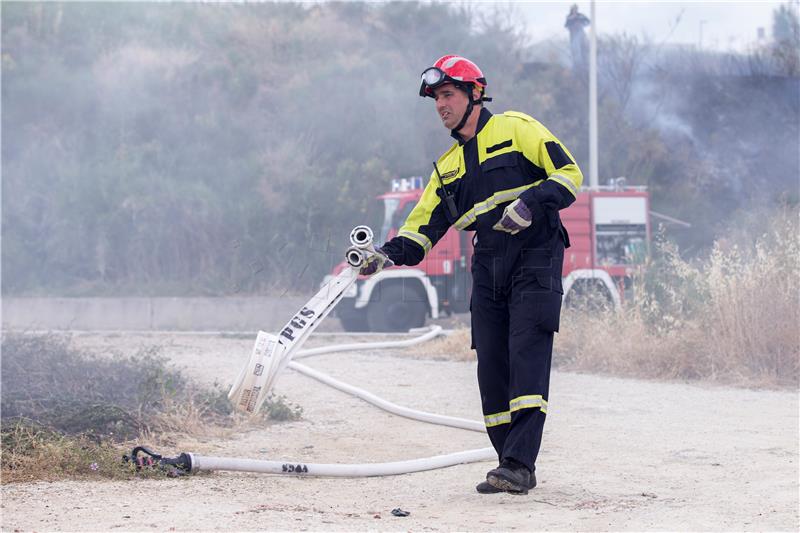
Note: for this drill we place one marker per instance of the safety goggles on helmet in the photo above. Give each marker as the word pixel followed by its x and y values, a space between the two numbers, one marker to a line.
pixel 433 76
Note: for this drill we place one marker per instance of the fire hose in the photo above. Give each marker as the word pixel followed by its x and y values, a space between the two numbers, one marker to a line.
pixel 273 353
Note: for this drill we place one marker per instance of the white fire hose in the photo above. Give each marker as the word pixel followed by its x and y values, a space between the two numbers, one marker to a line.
pixel 272 353
pixel 422 416
pixel 198 463
pixel 432 333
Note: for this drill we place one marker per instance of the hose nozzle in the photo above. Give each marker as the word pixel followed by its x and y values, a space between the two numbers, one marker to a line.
pixel 362 237
pixel 355 257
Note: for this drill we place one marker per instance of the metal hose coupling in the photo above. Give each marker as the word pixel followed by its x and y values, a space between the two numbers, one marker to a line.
pixel 362 237
pixel 143 457
pixel 355 256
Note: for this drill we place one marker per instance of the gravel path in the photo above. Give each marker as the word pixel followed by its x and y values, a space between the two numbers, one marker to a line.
pixel 618 454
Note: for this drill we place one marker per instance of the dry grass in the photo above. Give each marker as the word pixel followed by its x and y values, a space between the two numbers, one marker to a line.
pixel 32 452
pixel 731 318
pixel 68 414
pixel 453 347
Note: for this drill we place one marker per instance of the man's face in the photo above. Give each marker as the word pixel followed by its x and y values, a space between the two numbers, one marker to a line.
pixel 451 104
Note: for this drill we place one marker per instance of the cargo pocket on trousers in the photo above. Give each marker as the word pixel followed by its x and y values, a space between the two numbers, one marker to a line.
pixel 549 301
pixel 471 326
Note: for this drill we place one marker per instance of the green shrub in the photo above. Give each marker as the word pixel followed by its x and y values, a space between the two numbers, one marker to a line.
pixel 70 414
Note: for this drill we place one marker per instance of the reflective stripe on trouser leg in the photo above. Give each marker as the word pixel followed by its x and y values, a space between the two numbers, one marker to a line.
pixel 531 401
pixel 490 339
pixel 530 371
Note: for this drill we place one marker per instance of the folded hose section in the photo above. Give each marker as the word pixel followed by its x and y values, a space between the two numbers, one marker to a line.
pixel 273 353
pixel 198 462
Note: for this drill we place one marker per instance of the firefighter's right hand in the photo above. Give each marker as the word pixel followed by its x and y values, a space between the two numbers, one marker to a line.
pixel 376 262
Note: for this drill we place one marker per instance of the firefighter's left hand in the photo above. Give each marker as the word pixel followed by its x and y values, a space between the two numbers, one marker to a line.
pixel 516 217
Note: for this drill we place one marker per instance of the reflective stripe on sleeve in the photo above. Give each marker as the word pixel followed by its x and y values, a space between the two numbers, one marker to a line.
pixel 490 203
pixel 566 182
pixel 418 238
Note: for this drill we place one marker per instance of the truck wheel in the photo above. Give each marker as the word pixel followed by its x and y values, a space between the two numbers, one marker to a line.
pixel 352 319
pixel 589 295
pixel 357 322
pixel 397 308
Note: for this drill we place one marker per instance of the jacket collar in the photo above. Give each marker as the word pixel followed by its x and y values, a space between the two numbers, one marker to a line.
pixel 483 118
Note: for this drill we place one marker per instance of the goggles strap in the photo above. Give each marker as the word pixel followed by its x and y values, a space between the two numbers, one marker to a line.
pixel 468 89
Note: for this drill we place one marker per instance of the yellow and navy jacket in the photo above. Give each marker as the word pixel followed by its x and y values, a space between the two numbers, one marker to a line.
pixel 511 156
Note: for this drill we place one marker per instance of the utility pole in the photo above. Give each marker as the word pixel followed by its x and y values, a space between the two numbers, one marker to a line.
pixel 700 38
pixel 593 171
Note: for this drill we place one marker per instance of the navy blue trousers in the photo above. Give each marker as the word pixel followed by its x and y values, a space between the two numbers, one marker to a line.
pixel 516 305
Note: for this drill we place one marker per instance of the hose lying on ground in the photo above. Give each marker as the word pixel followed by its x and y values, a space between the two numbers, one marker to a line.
pixel 198 463
pixel 432 333
pixel 422 416
pixel 273 353
pixel 190 462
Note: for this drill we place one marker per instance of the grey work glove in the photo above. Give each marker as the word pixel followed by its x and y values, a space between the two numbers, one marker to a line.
pixel 376 262
pixel 516 217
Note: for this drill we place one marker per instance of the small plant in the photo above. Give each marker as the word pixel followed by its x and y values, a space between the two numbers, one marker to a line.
pixel 32 451
pixel 278 408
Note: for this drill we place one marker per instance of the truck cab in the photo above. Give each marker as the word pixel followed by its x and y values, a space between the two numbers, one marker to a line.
pixel 609 228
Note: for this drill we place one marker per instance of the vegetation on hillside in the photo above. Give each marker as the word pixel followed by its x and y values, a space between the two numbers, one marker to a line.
pixel 219 149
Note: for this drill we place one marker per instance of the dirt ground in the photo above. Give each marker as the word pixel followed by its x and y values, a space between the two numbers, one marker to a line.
pixel 618 454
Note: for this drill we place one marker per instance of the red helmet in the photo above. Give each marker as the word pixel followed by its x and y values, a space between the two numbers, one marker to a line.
pixel 453 69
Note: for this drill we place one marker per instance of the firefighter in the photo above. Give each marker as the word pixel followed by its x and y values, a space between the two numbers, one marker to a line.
pixel 506 177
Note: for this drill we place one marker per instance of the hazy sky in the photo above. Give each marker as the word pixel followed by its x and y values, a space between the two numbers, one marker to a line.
pixel 727 24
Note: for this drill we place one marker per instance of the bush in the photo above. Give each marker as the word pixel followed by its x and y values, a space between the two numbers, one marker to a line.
pixel 45 380
pixel 64 411
pixel 730 318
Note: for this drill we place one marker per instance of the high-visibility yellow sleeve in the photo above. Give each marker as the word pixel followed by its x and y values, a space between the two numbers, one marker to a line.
pixel 543 149
pixel 423 228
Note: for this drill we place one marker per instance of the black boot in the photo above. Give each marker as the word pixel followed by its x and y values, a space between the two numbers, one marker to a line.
pixel 484 487
pixel 511 477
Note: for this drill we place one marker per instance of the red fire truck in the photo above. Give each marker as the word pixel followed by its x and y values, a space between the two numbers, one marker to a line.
pixel 609 230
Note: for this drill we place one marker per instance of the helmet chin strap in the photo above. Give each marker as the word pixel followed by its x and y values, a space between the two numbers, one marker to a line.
pixel 468 112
